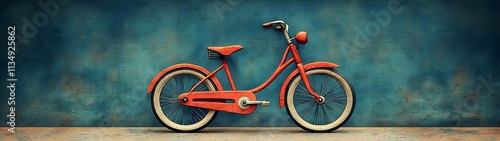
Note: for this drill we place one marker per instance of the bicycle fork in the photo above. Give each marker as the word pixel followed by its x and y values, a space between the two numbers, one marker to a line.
pixel 319 99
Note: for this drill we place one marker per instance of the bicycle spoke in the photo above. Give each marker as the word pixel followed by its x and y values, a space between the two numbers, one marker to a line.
pixel 339 99
pixel 168 99
pixel 174 111
pixel 331 108
pixel 184 87
pixel 204 114
pixel 174 83
pixel 305 99
pixel 331 89
pixel 184 83
pixel 309 110
pixel 339 106
pixel 326 115
pixel 201 88
pixel 179 114
pixel 312 83
pixel 168 105
pixel 190 84
pixel 305 95
pixel 336 97
pixel 179 84
pixel 304 102
pixel 170 89
pixel 334 89
pixel 337 94
pixel 336 102
pixel 303 92
pixel 193 118
pixel 197 117
pixel 163 101
pixel 303 89
pixel 325 83
pixel 182 114
pixel 315 114
pixel 306 109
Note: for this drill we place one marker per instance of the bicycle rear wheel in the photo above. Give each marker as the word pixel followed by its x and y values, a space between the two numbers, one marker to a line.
pixel 170 112
pixel 325 117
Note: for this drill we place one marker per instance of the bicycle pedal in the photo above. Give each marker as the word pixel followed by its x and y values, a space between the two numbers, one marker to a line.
pixel 265 103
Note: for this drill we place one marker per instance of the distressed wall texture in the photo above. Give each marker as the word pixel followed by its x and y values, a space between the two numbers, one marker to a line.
pixel 432 63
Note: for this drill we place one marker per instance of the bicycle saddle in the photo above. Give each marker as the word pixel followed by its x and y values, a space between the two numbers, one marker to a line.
pixel 225 50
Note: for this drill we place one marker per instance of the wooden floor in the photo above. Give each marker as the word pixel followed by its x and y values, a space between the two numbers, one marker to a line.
pixel 250 133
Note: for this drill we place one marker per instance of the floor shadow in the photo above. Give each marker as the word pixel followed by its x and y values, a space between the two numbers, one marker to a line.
pixel 246 130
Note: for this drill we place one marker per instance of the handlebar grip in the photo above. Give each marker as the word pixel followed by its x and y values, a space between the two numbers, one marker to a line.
pixel 267 24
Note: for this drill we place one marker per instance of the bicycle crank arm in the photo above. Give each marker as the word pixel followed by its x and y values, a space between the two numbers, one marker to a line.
pixel 263 103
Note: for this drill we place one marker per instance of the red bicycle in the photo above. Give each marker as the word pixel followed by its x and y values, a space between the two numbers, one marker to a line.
pixel 187 97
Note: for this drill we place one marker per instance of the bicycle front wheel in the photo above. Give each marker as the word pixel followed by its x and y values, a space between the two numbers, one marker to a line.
pixel 325 117
pixel 170 112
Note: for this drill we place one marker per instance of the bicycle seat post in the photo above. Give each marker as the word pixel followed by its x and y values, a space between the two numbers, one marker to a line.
pixel 228 72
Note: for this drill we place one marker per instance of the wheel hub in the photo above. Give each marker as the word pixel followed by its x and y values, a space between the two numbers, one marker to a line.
pixel 320 100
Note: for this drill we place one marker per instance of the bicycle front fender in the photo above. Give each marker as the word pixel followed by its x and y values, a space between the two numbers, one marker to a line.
pixel 181 66
pixel 310 66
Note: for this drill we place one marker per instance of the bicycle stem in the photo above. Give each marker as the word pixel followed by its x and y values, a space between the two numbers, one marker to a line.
pixel 285 32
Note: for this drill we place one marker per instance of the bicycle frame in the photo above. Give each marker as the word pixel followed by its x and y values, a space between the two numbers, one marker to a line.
pixel 283 64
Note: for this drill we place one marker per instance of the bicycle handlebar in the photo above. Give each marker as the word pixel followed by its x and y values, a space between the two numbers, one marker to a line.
pixel 268 24
pixel 282 26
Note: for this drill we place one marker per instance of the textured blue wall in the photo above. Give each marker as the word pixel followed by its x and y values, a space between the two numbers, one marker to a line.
pixel 434 63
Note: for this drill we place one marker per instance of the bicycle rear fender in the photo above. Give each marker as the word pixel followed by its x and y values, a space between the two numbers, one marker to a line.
pixel 181 66
pixel 313 65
